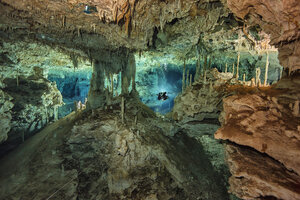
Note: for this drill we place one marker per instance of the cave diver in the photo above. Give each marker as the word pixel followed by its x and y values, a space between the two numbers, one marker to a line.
pixel 162 96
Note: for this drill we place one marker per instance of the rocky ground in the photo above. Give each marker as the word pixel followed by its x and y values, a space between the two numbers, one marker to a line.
pixel 92 155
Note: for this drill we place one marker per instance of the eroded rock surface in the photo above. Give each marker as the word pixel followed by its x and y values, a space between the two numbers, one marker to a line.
pixel 267 120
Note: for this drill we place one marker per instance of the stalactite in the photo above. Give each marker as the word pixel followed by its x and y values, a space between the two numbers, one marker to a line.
pixel 237 66
pixel 183 77
pixel 266 70
pixel 125 85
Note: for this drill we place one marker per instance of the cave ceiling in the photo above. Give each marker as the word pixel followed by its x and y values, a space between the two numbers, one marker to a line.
pixel 181 28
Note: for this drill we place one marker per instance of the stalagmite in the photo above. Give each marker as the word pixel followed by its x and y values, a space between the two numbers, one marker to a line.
pixel 244 78
pixel 259 83
pixel 210 88
pixel 23 136
pixel 191 77
pixel 226 68
pixel 296 108
pixel 135 120
pixel 233 69
pixel 257 75
pixel 63 21
pixel 198 73
pixel 187 77
pixel 17 77
pixel 237 66
pixel 75 106
pixel 204 78
pixel 122 109
pixel 266 70
pixel 47 116
pixel 205 65
pixel 78 32
pixel 112 84
pixel 252 82
pixel 183 76
pixel 55 113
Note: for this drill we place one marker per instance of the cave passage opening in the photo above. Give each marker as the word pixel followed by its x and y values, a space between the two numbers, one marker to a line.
pixel 155 77
pixel 73 85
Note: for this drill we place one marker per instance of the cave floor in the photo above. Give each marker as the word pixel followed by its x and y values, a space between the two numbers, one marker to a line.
pixel 92 155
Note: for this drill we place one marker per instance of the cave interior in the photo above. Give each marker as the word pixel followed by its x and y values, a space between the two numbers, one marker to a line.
pixel 150 99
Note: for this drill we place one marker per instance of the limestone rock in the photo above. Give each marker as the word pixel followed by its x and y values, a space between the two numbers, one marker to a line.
pixel 264 120
pixel 255 175
pixel 262 123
